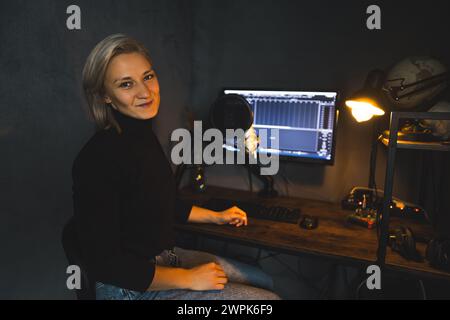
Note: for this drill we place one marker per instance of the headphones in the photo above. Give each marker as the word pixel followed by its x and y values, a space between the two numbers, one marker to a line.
pixel 402 241
pixel 438 253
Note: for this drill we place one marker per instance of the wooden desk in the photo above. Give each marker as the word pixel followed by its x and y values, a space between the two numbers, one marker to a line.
pixel 335 238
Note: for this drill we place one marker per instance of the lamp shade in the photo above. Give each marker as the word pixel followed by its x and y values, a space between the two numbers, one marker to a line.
pixel 369 101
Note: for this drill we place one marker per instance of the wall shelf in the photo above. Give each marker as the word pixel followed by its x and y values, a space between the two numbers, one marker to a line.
pixel 431 146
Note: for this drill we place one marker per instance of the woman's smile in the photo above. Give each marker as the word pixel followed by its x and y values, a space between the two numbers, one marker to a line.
pixel 145 104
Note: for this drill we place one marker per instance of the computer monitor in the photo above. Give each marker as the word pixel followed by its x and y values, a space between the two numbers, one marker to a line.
pixel 306 121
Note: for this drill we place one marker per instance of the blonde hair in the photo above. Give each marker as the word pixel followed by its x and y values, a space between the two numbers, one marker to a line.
pixel 94 72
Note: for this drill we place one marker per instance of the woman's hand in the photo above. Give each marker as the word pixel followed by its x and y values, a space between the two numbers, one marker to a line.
pixel 233 216
pixel 208 276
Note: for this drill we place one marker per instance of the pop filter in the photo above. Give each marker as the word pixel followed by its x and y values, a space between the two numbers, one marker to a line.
pixel 231 111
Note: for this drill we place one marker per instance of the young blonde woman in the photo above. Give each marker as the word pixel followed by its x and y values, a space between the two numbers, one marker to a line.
pixel 125 199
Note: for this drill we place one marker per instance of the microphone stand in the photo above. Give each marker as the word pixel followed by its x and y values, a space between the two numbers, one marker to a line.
pixel 268 190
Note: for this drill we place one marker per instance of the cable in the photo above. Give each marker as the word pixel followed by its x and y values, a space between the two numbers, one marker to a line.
pixel 359 288
pixel 355 280
pixel 258 256
pixel 250 181
pixel 422 288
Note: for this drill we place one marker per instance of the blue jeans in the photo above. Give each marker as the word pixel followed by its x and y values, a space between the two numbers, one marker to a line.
pixel 245 282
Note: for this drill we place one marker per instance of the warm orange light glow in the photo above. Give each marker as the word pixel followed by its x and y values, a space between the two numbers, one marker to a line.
pixel 364 109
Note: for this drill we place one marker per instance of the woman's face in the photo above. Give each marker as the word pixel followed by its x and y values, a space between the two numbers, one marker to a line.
pixel 131 86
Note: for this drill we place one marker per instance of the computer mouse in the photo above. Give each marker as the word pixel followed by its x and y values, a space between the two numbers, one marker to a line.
pixel 309 222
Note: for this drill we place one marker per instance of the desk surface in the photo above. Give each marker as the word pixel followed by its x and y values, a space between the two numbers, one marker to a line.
pixel 334 238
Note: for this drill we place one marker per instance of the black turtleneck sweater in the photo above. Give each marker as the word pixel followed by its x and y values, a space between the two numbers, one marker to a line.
pixel 125 203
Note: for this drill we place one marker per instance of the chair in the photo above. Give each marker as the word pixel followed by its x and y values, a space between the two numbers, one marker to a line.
pixel 73 255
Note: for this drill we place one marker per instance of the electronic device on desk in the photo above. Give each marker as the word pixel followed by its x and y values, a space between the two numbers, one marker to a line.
pixel 374 201
pixel 438 253
pixel 366 219
pixel 364 216
pixel 198 184
pixel 306 121
pixel 309 222
pixel 403 241
pixel 254 210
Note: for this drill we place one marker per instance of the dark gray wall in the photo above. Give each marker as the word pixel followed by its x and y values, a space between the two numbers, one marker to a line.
pixel 43 125
pixel 197 46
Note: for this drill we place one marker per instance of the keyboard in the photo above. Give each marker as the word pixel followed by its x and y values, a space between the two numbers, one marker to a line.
pixel 258 211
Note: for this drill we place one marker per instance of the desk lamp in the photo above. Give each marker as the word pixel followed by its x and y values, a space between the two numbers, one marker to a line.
pixel 365 104
pixel 415 83
pixel 369 101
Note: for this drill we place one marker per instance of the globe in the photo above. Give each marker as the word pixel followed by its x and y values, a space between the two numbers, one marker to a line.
pixel 408 72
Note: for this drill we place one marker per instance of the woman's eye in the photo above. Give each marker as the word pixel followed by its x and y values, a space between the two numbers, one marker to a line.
pixel 149 76
pixel 125 85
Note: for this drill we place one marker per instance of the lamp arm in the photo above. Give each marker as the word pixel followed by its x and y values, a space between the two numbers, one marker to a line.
pixel 430 82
